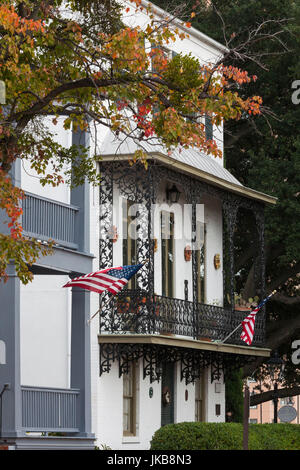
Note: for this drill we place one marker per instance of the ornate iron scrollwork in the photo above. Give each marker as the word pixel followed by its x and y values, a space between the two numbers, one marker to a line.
pixel 192 361
pixel 141 311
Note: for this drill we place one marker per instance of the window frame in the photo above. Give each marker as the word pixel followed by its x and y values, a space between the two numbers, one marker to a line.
pixel 132 397
pixel 201 280
pixel 167 274
pixel 129 245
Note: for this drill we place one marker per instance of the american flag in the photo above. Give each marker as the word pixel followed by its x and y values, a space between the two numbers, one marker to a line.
pixel 111 279
pixel 249 322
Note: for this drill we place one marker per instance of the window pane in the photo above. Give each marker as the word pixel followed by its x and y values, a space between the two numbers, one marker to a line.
pixel 167 243
pixel 199 400
pixel 129 400
pixel 129 238
pixel 208 128
pixel 127 415
pixel 200 260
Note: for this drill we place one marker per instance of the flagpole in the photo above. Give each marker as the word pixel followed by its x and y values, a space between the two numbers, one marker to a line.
pixel 90 319
pixel 102 306
pixel 240 324
pixel 223 340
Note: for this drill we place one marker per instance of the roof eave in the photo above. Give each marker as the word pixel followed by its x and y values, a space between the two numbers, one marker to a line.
pixel 200 174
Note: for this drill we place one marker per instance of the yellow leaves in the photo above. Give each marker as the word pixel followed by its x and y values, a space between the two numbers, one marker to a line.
pixel 149 30
pixel 139 156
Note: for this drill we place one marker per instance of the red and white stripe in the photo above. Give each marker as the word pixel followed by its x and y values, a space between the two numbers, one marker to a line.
pixel 248 327
pixel 99 282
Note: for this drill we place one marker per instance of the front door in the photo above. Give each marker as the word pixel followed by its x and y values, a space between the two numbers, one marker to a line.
pixel 167 399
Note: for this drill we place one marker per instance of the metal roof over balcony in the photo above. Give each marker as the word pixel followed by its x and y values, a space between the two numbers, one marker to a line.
pixel 189 161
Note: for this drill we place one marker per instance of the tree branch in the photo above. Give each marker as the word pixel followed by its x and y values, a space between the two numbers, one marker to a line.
pixel 267 396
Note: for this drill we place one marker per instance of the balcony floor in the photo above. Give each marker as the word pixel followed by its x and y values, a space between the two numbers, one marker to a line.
pixel 181 342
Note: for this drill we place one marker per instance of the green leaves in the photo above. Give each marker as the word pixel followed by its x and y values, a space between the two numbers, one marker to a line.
pixel 78 61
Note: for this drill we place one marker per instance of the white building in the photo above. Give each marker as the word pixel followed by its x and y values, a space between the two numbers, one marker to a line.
pixel 151 356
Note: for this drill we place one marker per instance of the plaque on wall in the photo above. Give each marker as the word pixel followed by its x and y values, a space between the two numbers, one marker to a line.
pixel 287 413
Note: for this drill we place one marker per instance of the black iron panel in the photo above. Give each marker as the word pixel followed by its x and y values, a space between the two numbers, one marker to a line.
pixel 192 361
pixel 140 311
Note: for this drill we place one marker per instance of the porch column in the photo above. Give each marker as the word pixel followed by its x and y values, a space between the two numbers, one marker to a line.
pixel 80 197
pixel 194 267
pixel 80 330
pixel 81 357
pixel 230 209
pixel 10 369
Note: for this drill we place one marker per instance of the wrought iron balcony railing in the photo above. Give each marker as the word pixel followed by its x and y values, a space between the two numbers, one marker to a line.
pixel 44 218
pixel 133 311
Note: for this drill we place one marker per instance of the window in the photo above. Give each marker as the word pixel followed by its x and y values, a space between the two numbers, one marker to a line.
pixel 129 401
pixel 199 400
pixel 254 407
pixel 208 128
pixel 286 401
pixel 129 238
pixel 167 253
pixel 200 260
pixel 253 421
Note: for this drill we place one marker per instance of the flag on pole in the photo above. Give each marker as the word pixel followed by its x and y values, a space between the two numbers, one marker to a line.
pixel 111 279
pixel 249 322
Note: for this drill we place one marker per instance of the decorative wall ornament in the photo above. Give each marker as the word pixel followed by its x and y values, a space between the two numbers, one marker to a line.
pixel 188 253
pixel 166 396
pixel 192 361
pixel 217 261
pixel 113 234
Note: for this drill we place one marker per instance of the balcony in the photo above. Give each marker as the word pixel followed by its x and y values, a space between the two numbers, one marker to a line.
pixel 49 409
pixel 46 219
pixel 133 311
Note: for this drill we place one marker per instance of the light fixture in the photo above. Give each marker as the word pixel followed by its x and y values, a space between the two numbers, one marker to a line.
pixel 173 194
pixel 158 370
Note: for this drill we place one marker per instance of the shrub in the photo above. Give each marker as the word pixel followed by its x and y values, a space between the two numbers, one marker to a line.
pixel 226 436
pixel 234 395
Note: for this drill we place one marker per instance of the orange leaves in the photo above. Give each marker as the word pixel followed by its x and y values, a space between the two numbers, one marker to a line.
pixel 126 49
pixel 10 197
pixel 238 75
pixel 241 77
pixel 252 105
pixel 12 22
